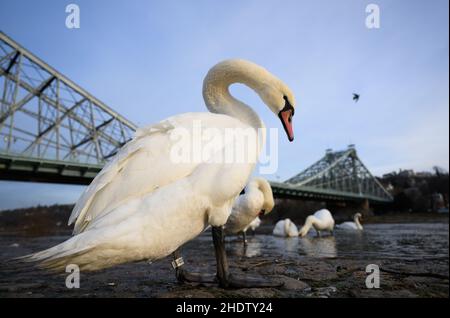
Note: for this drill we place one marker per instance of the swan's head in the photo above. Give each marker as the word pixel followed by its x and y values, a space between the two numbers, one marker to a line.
pixel 303 231
pixel 274 93
pixel 268 206
pixel 264 187
pixel 281 101
pixel 357 216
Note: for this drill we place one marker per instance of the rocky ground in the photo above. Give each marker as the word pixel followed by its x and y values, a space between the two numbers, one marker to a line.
pixel 303 275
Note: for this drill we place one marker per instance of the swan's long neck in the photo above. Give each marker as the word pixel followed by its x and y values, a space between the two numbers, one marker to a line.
pixel 251 195
pixel 217 95
pixel 358 224
pixel 287 226
pixel 263 187
pixel 307 226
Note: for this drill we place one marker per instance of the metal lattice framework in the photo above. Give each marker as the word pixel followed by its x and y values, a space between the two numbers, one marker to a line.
pixel 340 174
pixel 51 128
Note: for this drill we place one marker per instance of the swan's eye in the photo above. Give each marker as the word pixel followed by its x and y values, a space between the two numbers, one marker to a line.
pixel 286 99
pixel 288 104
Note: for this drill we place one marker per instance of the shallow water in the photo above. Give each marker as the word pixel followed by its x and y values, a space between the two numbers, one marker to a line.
pixel 338 261
pixel 383 241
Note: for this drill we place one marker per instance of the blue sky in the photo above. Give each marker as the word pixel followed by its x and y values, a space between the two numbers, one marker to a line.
pixel 147 60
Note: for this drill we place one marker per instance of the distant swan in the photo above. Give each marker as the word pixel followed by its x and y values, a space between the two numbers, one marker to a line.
pixel 322 220
pixel 355 225
pixel 285 228
pixel 256 201
pixel 144 205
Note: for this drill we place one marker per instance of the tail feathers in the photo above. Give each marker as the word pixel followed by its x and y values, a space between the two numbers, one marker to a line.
pixel 60 262
pixel 59 256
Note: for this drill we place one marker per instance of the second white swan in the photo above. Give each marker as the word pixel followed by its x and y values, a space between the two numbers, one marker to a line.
pixel 285 228
pixel 355 225
pixel 256 201
pixel 321 220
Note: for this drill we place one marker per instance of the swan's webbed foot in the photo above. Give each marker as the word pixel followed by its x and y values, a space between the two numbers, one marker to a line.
pixel 187 277
pixel 227 280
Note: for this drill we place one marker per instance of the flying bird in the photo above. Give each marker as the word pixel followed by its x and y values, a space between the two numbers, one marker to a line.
pixel 355 97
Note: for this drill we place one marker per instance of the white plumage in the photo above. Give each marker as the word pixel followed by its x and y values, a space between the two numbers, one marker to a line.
pixel 354 226
pixel 321 220
pixel 143 205
pixel 285 228
pixel 257 200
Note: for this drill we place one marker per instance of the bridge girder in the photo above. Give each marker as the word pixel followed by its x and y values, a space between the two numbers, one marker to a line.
pixel 340 174
pixel 46 119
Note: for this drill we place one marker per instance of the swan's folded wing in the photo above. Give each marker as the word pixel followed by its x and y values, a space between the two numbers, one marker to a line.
pixel 145 164
pixel 83 211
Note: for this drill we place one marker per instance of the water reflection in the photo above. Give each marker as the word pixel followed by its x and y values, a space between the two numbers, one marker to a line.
pixel 406 241
pixel 318 246
pixel 235 246
pixel 252 249
pixel 286 244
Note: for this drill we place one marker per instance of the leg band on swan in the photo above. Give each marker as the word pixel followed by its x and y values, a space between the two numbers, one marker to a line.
pixel 177 262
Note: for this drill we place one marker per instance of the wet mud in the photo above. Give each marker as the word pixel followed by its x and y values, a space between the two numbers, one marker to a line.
pixel 412 258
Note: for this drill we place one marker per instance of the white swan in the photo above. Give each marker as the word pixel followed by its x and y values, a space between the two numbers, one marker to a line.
pixel 355 225
pixel 147 202
pixel 321 220
pixel 256 201
pixel 285 228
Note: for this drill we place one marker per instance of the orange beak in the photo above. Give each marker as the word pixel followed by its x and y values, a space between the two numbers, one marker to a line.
pixel 285 116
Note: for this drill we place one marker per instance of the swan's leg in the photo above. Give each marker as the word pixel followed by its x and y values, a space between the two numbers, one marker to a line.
pixel 227 280
pixel 318 234
pixel 221 256
pixel 184 276
pixel 244 237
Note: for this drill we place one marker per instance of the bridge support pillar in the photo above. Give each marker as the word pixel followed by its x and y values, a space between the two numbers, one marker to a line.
pixel 365 208
pixel 346 210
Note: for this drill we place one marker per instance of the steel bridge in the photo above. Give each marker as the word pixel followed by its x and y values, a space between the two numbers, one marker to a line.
pixel 338 176
pixel 52 130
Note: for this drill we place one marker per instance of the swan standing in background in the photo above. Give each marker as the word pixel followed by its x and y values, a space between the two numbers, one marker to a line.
pixel 285 228
pixel 256 201
pixel 321 220
pixel 144 205
pixel 355 225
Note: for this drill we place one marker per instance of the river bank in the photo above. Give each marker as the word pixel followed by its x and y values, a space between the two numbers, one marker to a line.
pixel 413 259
